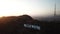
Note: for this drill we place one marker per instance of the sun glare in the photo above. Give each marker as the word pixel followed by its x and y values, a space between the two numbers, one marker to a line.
pixel 9 8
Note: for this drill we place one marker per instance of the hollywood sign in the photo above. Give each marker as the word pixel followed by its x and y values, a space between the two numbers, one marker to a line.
pixel 32 26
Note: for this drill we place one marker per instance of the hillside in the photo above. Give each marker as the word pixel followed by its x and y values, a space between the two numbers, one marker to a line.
pixel 15 25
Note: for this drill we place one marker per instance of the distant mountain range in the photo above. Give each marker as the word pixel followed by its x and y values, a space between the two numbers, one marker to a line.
pixel 49 18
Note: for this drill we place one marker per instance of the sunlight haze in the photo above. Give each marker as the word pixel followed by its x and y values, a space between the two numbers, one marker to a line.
pixel 30 7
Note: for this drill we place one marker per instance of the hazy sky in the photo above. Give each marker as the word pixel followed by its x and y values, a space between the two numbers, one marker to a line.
pixel 30 7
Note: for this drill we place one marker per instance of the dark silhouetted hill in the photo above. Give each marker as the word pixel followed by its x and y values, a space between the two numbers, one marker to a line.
pixel 15 25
